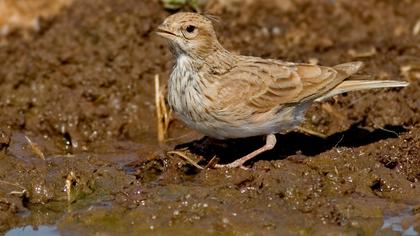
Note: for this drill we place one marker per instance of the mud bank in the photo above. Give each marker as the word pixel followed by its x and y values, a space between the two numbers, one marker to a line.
pixel 78 133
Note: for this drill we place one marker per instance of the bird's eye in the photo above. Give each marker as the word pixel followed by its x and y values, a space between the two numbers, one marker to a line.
pixel 189 31
pixel 190 28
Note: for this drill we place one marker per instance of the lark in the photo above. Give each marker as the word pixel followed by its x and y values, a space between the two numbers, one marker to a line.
pixel 224 95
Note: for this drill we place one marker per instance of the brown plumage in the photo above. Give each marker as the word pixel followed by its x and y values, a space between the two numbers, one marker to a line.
pixel 224 95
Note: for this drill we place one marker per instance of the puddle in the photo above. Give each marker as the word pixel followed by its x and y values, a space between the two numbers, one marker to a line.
pixel 43 230
pixel 395 223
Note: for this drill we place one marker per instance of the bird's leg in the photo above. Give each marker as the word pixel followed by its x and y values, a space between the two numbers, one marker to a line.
pixel 270 143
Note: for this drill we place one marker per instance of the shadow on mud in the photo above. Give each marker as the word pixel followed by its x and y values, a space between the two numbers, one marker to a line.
pixel 290 144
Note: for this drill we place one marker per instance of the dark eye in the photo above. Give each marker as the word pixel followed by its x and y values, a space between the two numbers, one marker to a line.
pixel 190 28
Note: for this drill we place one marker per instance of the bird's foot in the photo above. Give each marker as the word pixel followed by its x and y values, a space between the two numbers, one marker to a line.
pixel 270 143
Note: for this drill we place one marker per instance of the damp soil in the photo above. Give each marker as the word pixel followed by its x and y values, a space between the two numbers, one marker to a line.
pixel 78 141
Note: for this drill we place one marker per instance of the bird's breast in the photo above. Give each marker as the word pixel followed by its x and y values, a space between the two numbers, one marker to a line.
pixel 185 96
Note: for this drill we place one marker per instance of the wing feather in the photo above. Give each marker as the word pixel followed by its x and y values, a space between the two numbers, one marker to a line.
pixel 260 85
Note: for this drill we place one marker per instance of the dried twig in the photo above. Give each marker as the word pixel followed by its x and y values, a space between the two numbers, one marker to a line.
pixel 162 114
pixel 311 132
pixel 212 163
pixel 339 141
pixel 186 158
pixel 385 129
pixel 19 193
pixel 35 148
pixel 69 183
pixel 10 183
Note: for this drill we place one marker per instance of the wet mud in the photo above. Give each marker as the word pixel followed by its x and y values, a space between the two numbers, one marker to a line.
pixel 79 151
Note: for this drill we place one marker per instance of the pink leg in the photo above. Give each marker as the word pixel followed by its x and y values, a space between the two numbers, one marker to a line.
pixel 270 143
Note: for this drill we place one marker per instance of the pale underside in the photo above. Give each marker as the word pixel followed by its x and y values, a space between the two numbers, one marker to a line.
pixel 253 97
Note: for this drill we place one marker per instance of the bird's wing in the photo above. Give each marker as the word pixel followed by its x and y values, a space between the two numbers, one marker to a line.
pixel 264 84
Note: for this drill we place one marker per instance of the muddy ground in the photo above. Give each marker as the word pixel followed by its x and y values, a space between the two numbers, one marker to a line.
pixel 79 150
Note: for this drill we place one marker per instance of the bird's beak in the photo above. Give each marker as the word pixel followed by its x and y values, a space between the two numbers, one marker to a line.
pixel 164 31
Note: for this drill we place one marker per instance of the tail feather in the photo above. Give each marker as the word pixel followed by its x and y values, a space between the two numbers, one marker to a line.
pixel 355 85
pixel 349 68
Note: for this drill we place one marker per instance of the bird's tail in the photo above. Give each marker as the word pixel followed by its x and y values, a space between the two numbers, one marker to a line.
pixel 355 85
pixel 349 68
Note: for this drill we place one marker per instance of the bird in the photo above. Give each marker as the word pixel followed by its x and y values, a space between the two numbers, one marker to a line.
pixel 225 95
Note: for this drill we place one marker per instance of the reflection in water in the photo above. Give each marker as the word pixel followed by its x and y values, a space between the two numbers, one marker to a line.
pixel 43 230
pixel 395 223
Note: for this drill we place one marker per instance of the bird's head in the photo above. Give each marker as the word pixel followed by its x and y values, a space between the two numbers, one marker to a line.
pixel 189 33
